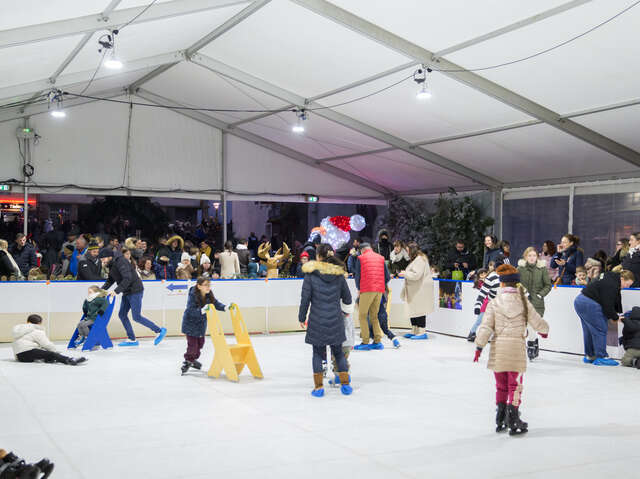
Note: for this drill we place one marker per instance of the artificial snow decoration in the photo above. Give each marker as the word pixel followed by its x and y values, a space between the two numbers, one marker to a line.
pixel 335 230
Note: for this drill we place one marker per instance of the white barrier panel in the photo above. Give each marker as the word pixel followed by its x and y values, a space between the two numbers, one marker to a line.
pixel 270 306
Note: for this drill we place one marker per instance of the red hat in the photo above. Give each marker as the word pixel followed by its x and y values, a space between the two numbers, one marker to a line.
pixel 304 254
pixel 341 222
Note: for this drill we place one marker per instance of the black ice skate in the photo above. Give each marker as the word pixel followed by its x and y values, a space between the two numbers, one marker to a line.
pixel 196 364
pixel 14 467
pixel 185 367
pixel 501 417
pixel 516 425
pixel 46 467
pixel 533 350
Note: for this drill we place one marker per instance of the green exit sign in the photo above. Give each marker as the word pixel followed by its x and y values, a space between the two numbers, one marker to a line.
pixel 311 199
pixel 5 187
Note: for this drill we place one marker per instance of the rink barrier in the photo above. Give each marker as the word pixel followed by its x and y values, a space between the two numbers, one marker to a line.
pixel 267 306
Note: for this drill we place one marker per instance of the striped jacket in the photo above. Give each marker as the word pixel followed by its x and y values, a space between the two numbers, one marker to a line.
pixel 489 289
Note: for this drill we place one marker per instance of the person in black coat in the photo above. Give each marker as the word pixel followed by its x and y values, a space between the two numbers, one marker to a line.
pixel 631 261
pixel 630 339
pixel 90 266
pixel 460 259
pixel 323 288
pixel 599 302
pixel 123 273
pixel 23 254
pixel 194 321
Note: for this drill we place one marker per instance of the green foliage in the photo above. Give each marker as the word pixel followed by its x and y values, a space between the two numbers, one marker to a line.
pixel 113 210
pixel 436 231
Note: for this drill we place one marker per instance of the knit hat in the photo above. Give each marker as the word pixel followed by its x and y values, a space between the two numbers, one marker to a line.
pixel 184 256
pixel 635 313
pixel 508 274
pixel 304 255
pixel 105 253
pixel 93 245
pixel 204 259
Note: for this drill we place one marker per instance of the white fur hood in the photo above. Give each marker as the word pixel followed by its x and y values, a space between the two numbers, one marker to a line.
pixel 540 264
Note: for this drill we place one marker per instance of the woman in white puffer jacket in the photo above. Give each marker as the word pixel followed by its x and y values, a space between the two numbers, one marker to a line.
pixel 30 343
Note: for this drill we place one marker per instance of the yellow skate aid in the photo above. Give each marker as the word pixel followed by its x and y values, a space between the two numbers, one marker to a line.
pixel 231 358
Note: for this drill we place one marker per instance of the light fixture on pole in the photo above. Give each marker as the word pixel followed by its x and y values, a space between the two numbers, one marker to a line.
pixel 420 77
pixel 55 103
pixel 108 44
pixel 301 115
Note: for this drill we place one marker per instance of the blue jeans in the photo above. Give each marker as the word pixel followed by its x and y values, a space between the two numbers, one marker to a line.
pixel 133 302
pixel 476 325
pixel 594 326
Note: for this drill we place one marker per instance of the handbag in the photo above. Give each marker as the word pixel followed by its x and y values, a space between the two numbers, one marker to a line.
pixel 457 275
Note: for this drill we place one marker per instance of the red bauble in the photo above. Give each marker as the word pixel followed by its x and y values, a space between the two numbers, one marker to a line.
pixel 341 222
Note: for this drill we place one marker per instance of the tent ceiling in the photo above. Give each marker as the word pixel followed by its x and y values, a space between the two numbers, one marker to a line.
pixel 300 51
pixel 282 54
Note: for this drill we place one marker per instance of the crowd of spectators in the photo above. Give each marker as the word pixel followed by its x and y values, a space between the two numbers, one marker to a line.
pixel 188 251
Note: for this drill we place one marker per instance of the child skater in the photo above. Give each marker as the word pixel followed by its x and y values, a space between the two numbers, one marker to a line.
pixel 194 321
pixel 95 305
pixel 383 319
pixel 323 288
pixel 349 329
pixel 478 281
pixel 349 343
pixel 506 320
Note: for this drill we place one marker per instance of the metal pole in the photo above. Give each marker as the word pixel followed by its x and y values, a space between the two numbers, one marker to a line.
pixel 572 191
pixel 25 157
pixel 223 184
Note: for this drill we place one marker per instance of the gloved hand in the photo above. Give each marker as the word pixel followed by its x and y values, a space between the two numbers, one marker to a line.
pixel 476 311
pixel 544 335
pixel 477 356
pixel 204 309
pixel 232 306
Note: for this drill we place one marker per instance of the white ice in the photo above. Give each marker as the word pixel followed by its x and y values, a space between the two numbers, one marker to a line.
pixel 425 410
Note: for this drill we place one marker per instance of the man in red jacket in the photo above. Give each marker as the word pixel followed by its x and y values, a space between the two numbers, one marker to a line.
pixel 371 277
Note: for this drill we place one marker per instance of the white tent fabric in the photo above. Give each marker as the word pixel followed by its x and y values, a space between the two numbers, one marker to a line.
pixel 564 116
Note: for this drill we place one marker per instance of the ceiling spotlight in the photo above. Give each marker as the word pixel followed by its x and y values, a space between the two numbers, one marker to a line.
pixel 424 93
pixel 108 42
pixel 301 115
pixel 113 62
pixel 55 103
pixel 420 77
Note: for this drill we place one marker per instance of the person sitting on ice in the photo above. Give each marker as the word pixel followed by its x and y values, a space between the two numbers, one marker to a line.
pixel 506 320
pixel 630 339
pixel 95 305
pixel 30 344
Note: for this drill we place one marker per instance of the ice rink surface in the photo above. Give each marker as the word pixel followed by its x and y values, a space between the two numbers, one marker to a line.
pixel 425 410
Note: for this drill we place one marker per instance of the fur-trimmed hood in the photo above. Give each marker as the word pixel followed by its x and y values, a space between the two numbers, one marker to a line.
pixel 176 238
pixel 540 264
pixel 324 269
pixel 130 243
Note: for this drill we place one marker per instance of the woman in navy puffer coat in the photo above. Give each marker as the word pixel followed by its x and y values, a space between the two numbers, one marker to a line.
pixel 323 288
pixel 568 259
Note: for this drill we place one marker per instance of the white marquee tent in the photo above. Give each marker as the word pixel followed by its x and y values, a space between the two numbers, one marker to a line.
pixel 566 116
